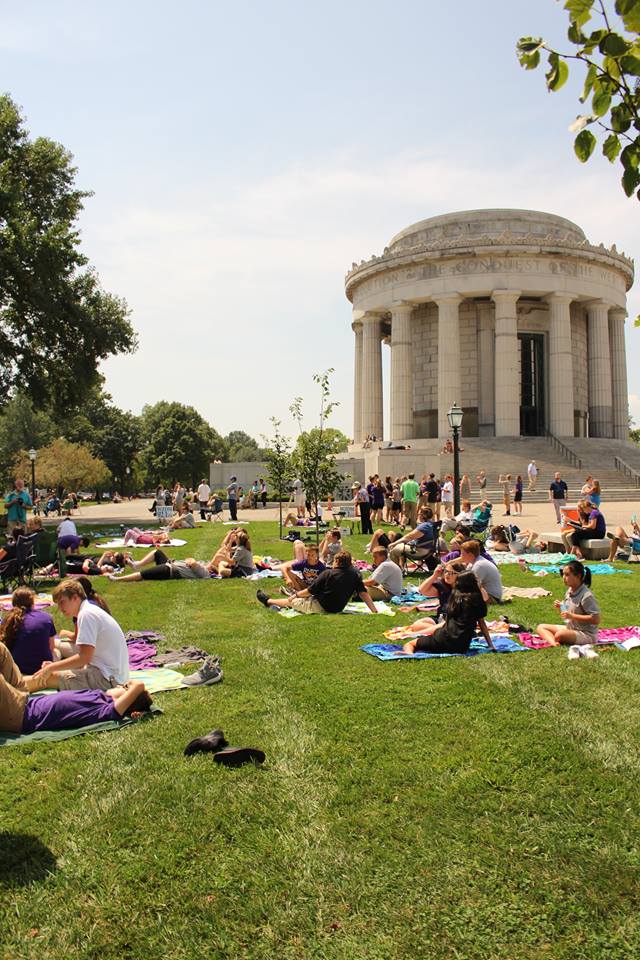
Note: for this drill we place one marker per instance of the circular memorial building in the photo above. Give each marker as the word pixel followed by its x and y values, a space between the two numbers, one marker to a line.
pixel 511 313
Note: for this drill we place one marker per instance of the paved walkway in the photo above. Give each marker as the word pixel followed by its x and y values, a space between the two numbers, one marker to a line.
pixel 537 516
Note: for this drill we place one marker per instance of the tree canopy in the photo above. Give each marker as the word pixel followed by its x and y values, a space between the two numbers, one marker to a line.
pixel 178 444
pixel 610 58
pixel 51 303
pixel 240 447
pixel 65 464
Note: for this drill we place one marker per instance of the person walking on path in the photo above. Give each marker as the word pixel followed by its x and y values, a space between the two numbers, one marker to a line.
pixel 532 473
pixel 558 494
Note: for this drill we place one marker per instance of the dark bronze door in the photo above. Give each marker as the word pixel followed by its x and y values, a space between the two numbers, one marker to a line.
pixel 532 413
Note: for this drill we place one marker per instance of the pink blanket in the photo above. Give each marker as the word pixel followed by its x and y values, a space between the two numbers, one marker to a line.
pixel 611 635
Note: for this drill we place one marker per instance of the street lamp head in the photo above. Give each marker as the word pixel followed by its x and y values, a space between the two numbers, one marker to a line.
pixel 454 416
pixel 33 454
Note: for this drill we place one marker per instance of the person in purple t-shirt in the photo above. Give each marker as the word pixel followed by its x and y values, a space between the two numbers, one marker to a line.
pixel 303 570
pixel 592 527
pixel 28 633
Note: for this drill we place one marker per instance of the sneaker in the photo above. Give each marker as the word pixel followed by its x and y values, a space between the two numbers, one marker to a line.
pixel 286 591
pixel 588 652
pixel 238 756
pixel 262 597
pixel 574 652
pixel 210 672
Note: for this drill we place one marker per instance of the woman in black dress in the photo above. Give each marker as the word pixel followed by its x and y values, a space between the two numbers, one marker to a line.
pixel 466 611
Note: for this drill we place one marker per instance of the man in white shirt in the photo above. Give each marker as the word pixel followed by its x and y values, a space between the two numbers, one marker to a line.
pixel 386 580
pixel 204 492
pixel 487 573
pixel 102 660
pixel 532 473
pixel 298 494
pixel 465 516
pixel 67 528
pixel 447 495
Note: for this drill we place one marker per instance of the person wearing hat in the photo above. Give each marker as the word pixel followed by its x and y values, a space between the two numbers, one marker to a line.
pixel 361 500
pixel 232 496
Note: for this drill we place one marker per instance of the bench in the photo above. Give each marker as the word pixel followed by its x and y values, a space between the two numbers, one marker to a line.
pixel 590 549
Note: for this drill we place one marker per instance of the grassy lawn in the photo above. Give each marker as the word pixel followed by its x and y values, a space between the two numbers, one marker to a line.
pixel 462 808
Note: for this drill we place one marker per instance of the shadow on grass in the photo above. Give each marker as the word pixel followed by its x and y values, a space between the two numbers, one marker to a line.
pixel 23 859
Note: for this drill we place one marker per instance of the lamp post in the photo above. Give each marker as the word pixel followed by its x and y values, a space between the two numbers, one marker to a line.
pixel 454 416
pixel 32 456
pixel 128 472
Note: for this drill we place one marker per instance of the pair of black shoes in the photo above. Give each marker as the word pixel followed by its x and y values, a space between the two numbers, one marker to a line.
pixel 216 743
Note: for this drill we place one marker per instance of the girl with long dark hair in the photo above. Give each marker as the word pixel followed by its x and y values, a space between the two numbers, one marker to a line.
pixel 466 610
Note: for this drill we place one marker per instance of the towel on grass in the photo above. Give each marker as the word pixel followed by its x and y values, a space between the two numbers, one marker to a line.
pixel 118 544
pixel 11 739
pixel 393 651
pixel 501 557
pixel 409 596
pixel 530 593
pixel 42 601
pixel 355 606
pixel 264 575
pixel 596 568
pixel 608 635
pixel 142 648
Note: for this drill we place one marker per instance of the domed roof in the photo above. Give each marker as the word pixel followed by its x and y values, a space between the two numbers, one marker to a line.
pixel 472 224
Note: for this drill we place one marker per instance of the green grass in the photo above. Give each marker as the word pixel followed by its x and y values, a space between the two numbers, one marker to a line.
pixel 464 808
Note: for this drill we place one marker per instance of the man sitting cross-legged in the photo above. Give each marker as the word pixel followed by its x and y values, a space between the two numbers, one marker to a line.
pixel 102 659
pixel 386 580
pixel 330 592
pixel 303 569
pixel 418 543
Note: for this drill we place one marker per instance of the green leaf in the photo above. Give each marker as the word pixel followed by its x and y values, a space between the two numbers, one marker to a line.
pixel 601 102
pixel 620 118
pixel 558 72
pixel 630 180
pixel 579 10
pixel 611 147
pixel 589 81
pixel 611 67
pixel 630 64
pixel 528 51
pixel 575 34
pixel 629 10
pixel 613 45
pixel 529 44
pixel 630 156
pixel 584 145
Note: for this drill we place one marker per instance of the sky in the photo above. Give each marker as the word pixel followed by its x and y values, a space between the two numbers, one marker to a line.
pixel 243 155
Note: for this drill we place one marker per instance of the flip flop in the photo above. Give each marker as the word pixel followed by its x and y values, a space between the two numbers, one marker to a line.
pixel 237 756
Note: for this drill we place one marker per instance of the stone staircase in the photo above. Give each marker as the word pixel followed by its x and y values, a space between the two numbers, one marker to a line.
pixel 496 455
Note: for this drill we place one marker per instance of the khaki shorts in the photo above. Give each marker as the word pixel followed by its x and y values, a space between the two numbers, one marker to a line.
pixel 307 605
pixel 87 678
pixel 378 593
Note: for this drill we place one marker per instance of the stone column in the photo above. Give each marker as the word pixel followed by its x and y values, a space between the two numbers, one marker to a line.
pixel 619 394
pixel 356 326
pixel 507 363
pixel 448 358
pixel 600 419
pixel 561 404
pixel 486 361
pixel 371 422
pixel 401 372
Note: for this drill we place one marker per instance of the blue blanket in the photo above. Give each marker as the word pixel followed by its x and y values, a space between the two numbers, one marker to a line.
pixel 408 595
pixel 602 568
pixel 393 651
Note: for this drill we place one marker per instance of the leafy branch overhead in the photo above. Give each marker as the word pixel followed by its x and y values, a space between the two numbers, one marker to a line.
pixel 610 57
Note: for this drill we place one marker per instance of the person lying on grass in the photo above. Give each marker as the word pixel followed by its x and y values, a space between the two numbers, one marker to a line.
pixel 152 538
pixel 303 569
pixel 442 581
pixel 579 610
pixel 386 580
pixel 330 592
pixel 66 710
pixel 466 611
pixel 156 565
pixel 621 539
pixel 96 564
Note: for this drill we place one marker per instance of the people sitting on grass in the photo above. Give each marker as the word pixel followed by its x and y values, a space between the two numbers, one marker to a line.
pixel 69 709
pixel 486 573
pixel 466 612
pixel 455 544
pixel 505 539
pixel 135 537
pixel 8 549
pixel 579 610
pixel 592 527
pixel 382 538
pixel 330 592
pixel 627 543
pixel 330 546
pixel 184 519
pixel 417 544
pixel 386 580
pixel 102 659
pixel 28 633
pixel 442 581
pixel 95 564
pixel 240 563
pixel 65 640
pixel 303 569
pixel 156 565
pixel 464 517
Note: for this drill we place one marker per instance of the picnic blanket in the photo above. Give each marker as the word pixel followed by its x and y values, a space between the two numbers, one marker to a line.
pixel 160 679
pixel 598 568
pixel 501 558
pixel 530 593
pixel 118 544
pixel 11 739
pixel 608 635
pixel 42 601
pixel 393 651
pixel 142 648
pixel 264 574
pixel 355 606
pixel 408 596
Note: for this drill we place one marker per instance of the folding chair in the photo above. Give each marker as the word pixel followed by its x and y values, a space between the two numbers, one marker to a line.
pixel 19 571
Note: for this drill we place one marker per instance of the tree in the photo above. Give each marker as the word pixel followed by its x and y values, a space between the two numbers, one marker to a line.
pixel 113 435
pixel 336 440
pixel 177 443
pixel 610 55
pixel 242 448
pixel 314 457
pixel 65 464
pixel 51 303
pixel 280 466
pixel 22 426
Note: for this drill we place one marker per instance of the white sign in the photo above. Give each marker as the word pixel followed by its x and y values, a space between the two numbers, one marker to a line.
pixel 164 513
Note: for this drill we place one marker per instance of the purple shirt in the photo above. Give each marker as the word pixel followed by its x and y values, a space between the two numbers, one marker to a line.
pixel 68 710
pixel 308 571
pixel 69 540
pixel 31 646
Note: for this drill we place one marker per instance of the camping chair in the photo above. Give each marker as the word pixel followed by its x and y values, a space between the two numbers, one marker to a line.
pixel 480 527
pixel 19 571
pixel 423 561
pixel 215 511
